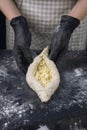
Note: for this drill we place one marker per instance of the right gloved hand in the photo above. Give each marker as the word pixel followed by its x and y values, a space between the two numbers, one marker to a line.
pixel 61 36
pixel 22 43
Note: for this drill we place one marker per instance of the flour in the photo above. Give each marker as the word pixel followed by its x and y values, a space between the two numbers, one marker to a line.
pixel 3 71
pixel 8 108
pixel 77 126
pixel 78 72
pixel 43 128
pixel 31 106
pixel 14 65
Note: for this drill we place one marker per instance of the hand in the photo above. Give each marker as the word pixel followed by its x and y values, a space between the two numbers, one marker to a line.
pixel 22 44
pixel 61 36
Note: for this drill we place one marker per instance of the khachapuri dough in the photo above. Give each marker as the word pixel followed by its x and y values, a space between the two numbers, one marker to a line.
pixel 43 76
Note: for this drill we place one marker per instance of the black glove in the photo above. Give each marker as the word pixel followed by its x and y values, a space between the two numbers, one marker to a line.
pixel 61 36
pixel 22 44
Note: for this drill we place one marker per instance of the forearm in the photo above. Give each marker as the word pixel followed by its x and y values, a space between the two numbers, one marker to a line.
pixel 79 11
pixel 9 9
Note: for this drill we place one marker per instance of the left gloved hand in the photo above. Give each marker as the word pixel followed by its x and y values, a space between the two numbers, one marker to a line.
pixel 23 54
pixel 61 36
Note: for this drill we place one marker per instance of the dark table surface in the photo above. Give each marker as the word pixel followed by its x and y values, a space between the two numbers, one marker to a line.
pixel 20 107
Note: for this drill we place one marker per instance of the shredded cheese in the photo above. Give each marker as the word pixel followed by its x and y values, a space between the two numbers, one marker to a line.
pixel 43 73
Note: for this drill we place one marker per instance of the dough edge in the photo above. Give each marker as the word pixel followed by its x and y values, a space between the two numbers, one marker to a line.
pixel 44 93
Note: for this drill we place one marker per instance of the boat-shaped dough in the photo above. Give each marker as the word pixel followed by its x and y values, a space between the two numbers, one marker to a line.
pixel 43 76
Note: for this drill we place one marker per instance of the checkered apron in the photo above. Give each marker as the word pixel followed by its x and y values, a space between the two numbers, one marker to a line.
pixel 43 16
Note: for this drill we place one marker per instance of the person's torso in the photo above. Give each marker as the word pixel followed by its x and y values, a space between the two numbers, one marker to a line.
pixel 44 15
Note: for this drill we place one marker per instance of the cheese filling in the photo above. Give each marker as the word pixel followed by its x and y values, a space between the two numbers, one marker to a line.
pixel 43 73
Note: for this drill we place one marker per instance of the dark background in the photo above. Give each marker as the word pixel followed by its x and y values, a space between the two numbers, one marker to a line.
pixel 2 32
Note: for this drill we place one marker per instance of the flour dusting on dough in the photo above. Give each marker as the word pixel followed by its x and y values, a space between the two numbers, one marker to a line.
pixel 43 76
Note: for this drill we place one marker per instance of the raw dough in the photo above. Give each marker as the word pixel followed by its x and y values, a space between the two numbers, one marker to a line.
pixel 45 68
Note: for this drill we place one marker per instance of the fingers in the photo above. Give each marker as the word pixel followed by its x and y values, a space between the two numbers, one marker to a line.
pixel 53 55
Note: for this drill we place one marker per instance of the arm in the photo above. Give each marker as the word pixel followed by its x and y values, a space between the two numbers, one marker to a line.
pixel 61 35
pixel 9 9
pixel 79 11
pixel 22 52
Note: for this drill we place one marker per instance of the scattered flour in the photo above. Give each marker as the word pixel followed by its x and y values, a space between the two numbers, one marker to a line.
pixel 77 126
pixel 78 72
pixel 43 128
pixel 3 71
pixel 8 108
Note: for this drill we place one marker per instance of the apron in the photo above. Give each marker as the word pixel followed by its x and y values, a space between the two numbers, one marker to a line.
pixel 43 16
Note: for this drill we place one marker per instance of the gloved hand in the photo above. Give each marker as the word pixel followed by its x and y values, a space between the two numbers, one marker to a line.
pixel 22 43
pixel 61 36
